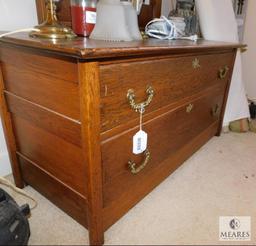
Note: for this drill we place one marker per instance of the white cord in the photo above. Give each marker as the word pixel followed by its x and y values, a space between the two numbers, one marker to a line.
pixel 17 31
pixel 7 183
pixel 174 32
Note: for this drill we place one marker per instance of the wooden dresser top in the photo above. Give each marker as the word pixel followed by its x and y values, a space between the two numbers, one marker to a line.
pixel 85 48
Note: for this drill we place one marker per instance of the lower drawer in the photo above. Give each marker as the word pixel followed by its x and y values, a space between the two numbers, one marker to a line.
pixel 166 135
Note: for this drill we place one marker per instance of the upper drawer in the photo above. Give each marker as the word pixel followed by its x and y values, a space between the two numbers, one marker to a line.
pixel 172 79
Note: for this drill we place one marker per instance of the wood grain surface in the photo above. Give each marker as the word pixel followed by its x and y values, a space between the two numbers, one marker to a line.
pixel 9 134
pixel 122 205
pixel 42 82
pixel 84 48
pixel 53 189
pixel 50 121
pixel 172 79
pixel 66 116
pixel 90 119
pixel 58 157
pixel 166 135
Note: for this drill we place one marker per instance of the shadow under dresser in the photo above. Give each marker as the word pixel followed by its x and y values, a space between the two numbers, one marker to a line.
pixel 70 110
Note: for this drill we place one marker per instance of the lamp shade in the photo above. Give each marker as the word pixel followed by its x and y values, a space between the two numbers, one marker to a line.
pixel 116 21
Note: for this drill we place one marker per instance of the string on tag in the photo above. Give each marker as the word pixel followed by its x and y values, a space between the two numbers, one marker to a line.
pixel 140 139
pixel 142 110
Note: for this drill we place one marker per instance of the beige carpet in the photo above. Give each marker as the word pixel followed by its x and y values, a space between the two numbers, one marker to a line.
pixel 219 180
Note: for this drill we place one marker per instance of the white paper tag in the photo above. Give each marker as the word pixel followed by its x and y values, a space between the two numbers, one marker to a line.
pixel 140 140
pixel 90 17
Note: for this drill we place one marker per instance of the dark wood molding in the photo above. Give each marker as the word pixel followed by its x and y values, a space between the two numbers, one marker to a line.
pixel 97 49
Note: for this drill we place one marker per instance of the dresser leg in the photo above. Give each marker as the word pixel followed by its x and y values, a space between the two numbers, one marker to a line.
pixel 219 131
pixel 90 131
pixel 96 237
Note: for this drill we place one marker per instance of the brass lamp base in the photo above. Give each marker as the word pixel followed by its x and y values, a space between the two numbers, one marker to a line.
pixel 51 29
pixel 52 32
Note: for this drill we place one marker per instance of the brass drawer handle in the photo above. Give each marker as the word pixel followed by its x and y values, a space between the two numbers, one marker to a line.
pixel 132 165
pixel 216 110
pixel 189 108
pixel 223 72
pixel 140 106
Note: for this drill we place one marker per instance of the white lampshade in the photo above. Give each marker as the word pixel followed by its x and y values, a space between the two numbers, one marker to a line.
pixel 116 21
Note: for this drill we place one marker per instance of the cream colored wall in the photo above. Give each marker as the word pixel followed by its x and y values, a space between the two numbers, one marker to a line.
pixel 249 58
pixel 17 14
pixel 14 14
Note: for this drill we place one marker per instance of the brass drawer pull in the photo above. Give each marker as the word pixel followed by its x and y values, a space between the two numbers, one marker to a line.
pixel 189 108
pixel 140 106
pixel 223 72
pixel 216 110
pixel 132 165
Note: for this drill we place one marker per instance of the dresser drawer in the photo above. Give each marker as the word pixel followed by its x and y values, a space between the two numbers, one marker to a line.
pixel 166 135
pixel 172 79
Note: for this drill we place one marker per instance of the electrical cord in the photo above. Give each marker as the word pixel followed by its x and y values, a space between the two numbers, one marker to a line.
pixel 165 29
pixel 8 184
pixel 17 31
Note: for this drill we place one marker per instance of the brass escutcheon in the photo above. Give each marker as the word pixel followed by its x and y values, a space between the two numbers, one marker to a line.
pixel 196 63
pixel 223 72
pixel 132 165
pixel 140 107
pixel 189 108
pixel 216 110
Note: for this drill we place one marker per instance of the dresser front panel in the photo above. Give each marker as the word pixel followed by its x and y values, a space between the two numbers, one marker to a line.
pixel 167 134
pixel 172 79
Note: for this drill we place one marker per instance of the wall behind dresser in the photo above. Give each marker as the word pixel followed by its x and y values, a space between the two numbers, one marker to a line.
pixel 249 57
pixel 14 14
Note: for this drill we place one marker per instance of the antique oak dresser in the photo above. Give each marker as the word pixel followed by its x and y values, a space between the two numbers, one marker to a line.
pixel 70 110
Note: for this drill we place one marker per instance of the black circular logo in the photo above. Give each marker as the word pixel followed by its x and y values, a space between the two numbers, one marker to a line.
pixel 234 224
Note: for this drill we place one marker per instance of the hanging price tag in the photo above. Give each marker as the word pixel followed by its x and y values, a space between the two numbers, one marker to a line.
pixel 140 140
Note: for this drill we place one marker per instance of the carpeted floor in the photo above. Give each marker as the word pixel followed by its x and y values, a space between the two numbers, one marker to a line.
pixel 219 180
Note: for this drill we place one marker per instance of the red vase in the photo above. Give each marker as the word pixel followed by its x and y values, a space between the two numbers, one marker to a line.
pixel 83 14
